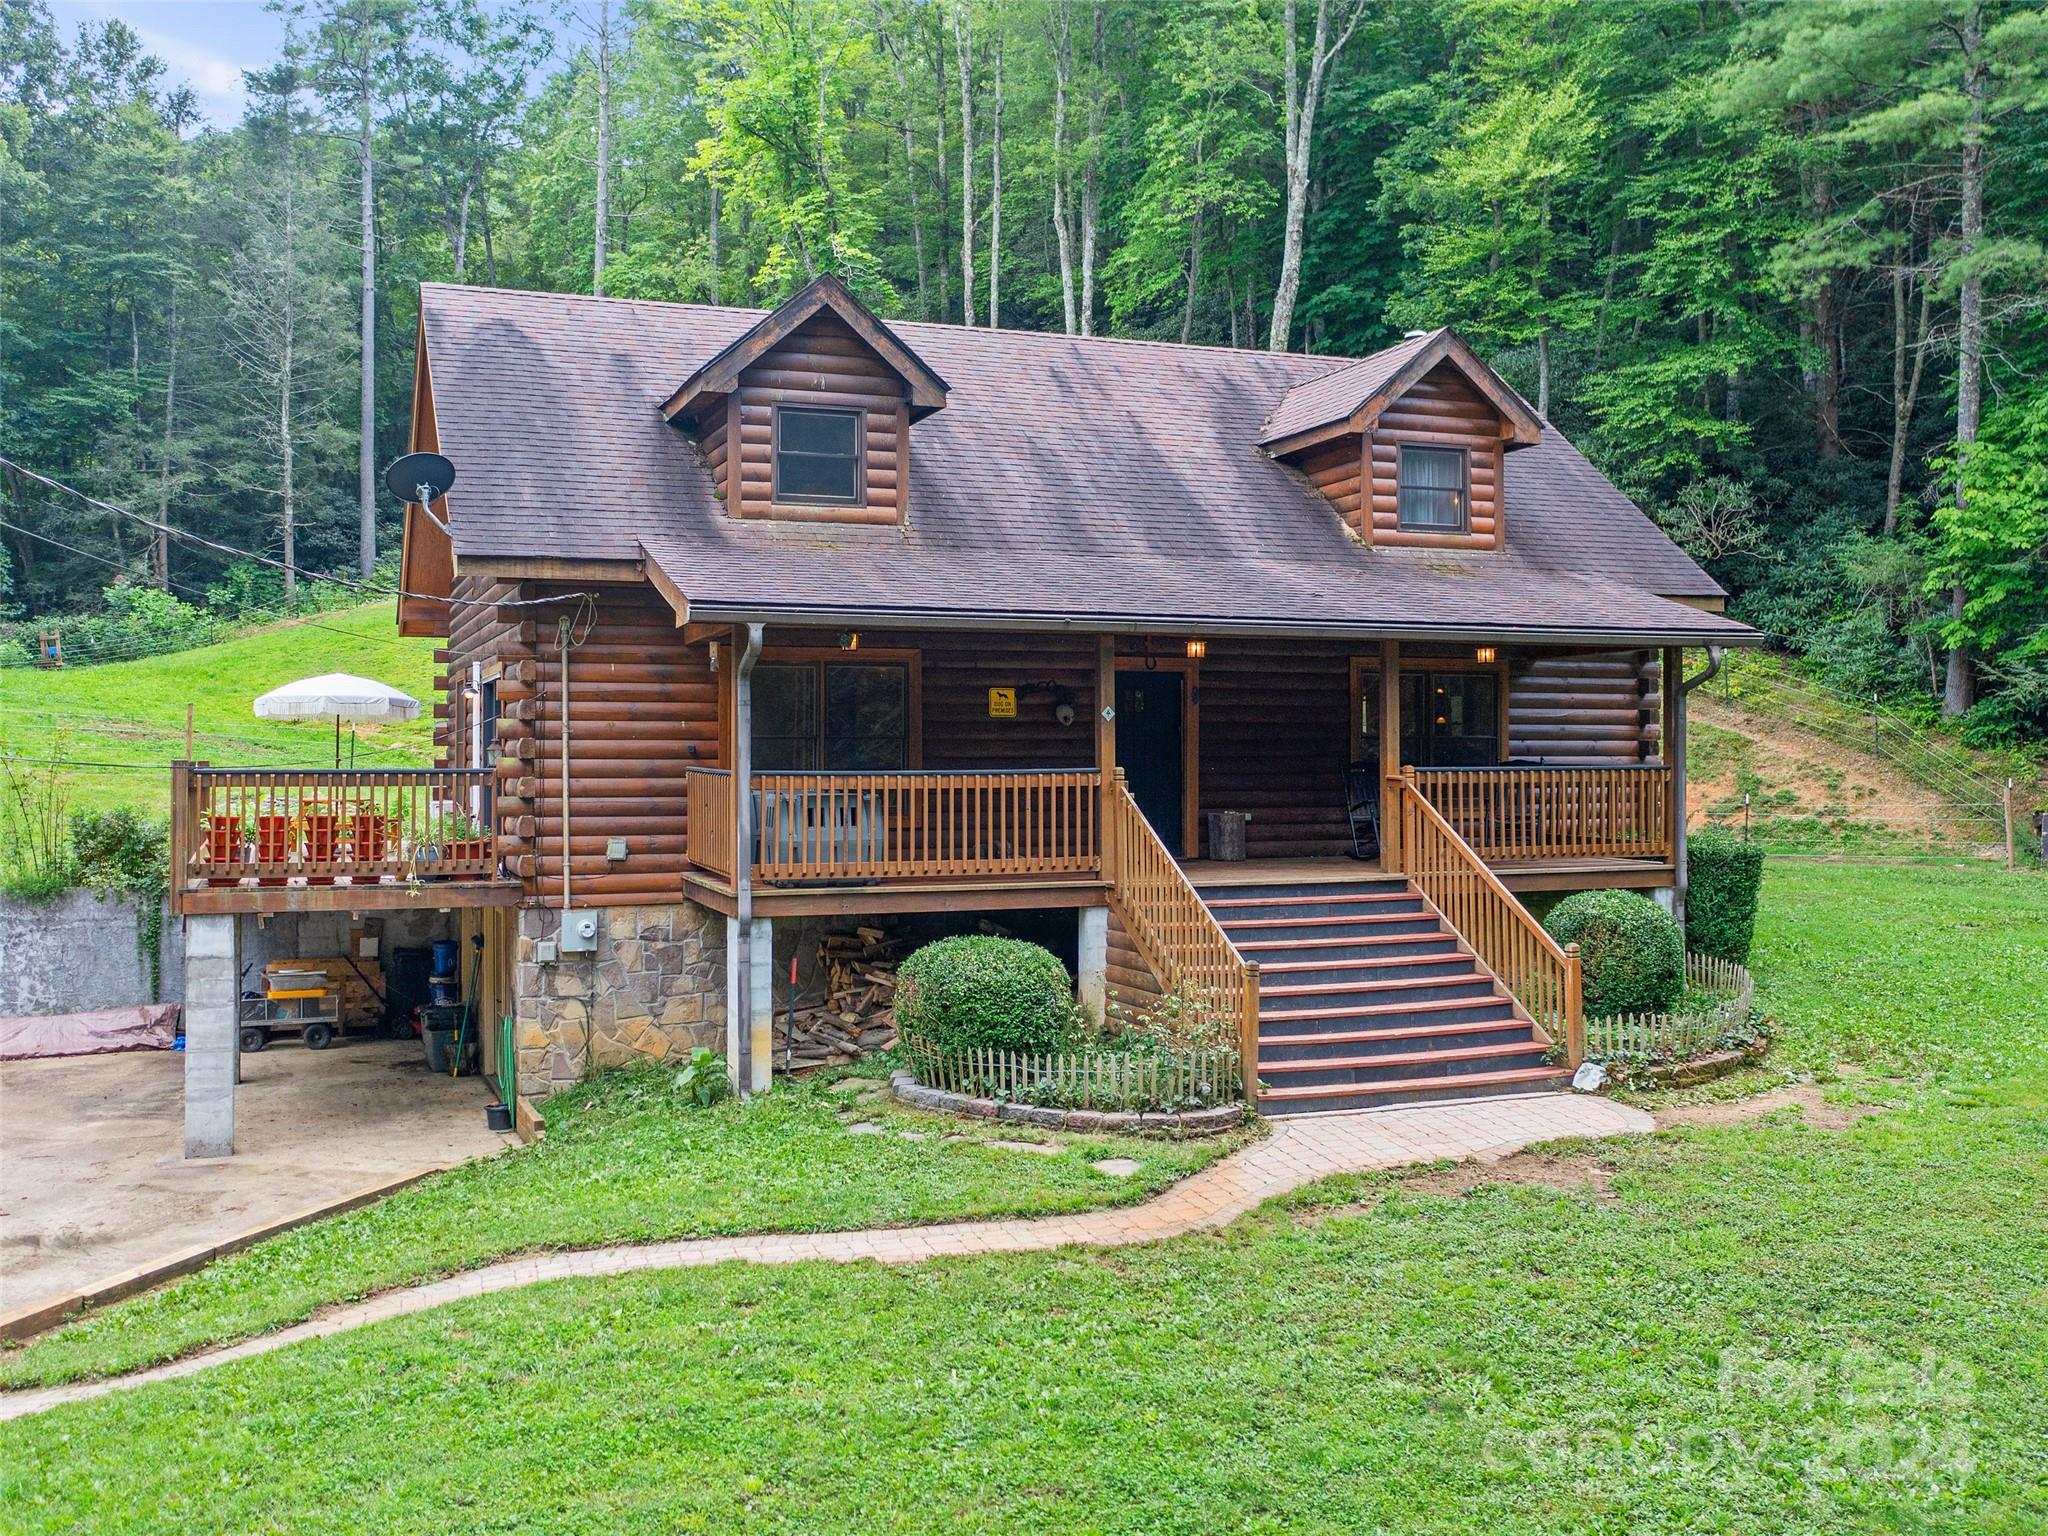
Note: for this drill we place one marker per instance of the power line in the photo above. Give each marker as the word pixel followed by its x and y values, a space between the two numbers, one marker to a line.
pixel 171 531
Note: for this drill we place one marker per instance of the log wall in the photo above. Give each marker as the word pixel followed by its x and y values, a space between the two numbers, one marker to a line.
pixel 643 709
pixel 1443 410
pixel 1585 709
pixel 822 363
pixel 1275 741
pixel 475 627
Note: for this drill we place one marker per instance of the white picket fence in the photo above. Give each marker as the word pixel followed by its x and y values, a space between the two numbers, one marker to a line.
pixel 1081 1079
pixel 1689 1032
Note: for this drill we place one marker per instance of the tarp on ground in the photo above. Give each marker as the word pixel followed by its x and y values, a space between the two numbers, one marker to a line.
pixel 151 1027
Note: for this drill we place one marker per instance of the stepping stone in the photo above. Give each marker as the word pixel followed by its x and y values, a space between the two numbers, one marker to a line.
pixel 865 1128
pixel 1024 1146
pixel 856 1085
pixel 1117 1167
pixel 912 1135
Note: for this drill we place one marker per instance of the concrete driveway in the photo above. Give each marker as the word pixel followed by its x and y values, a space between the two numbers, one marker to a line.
pixel 93 1181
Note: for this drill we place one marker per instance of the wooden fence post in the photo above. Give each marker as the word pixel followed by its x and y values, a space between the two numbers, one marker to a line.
pixel 1248 1035
pixel 1574 1009
pixel 2010 853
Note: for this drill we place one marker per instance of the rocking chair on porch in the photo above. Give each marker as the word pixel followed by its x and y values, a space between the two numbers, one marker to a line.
pixel 1362 808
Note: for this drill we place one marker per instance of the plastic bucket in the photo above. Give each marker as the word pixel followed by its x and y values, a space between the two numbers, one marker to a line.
pixel 447 956
pixel 446 994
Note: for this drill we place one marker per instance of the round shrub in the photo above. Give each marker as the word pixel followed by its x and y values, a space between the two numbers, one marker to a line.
pixel 981 992
pixel 1630 950
pixel 1725 873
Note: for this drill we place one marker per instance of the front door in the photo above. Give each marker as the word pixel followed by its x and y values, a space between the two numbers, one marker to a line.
pixel 1148 747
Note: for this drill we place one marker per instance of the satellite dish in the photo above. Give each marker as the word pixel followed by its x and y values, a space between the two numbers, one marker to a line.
pixel 420 477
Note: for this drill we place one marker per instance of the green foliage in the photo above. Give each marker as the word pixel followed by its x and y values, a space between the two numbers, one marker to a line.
pixel 1630 949
pixel 976 991
pixel 703 1080
pixel 124 851
pixel 35 844
pixel 1725 874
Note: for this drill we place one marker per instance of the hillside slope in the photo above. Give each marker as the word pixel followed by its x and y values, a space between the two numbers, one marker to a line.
pixel 133 712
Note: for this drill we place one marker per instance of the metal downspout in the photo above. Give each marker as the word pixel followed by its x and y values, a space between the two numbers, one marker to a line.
pixel 742 960
pixel 1679 872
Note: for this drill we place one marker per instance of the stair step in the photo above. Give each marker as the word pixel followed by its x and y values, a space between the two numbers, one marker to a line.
pixel 1441 942
pixel 1389 968
pixel 1364 1042
pixel 1337 927
pixel 1452 1061
pixel 1494 1000
pixel 1308 1098
pixel 1234 909
pixel 1421 989
pixel 1382 885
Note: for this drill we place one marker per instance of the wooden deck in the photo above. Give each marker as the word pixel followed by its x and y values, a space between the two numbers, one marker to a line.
pixel 1560 874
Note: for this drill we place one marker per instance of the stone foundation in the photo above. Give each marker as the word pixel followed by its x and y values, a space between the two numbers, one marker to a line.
pixel 654 990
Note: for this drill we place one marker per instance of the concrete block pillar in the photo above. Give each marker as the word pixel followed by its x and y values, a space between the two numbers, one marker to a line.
pixel 1092 962
pixel 759 980
pixel 213 984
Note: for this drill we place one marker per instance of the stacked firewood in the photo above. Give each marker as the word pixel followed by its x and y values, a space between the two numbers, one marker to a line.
pixel 858 1015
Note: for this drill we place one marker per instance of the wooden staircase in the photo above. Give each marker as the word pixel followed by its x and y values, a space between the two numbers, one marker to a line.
pixel 1368 998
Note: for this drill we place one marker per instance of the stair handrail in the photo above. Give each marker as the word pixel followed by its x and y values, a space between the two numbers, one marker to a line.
pixel 1176 932
pixel 1544 975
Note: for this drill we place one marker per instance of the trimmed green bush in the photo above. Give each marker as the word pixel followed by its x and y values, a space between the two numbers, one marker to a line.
pixel 1630 949
pixel 1725 872
pixel 979 992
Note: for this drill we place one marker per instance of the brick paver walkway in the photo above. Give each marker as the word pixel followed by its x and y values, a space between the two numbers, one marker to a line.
pixel 1299 1151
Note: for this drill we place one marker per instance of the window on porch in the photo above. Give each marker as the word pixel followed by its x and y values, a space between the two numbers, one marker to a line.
pixel 831 716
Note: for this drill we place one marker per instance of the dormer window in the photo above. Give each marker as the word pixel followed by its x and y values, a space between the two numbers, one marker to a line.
pixel 1433 496
pixel 817 456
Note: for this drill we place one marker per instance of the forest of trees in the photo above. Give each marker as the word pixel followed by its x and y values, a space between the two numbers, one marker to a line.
pixel 1778 268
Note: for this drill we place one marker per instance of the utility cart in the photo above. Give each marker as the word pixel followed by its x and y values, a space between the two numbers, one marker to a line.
pixel 298 1001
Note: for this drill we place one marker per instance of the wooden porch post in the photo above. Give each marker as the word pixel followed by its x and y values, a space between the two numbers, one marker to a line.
pixel 1390 752
pixel 1105 752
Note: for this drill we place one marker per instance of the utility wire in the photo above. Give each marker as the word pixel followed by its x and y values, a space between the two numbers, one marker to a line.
pixel 249 554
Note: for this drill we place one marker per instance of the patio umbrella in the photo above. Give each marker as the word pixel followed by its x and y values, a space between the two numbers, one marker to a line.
pixel 340 694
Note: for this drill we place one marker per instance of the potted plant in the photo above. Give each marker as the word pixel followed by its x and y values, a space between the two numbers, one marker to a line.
pixel 464 840
pixel 274 840
pixel 319 832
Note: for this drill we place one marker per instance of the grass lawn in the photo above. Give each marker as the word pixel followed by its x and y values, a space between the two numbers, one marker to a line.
pixel 134 711
pixel 1763 1326
pixel 622 1162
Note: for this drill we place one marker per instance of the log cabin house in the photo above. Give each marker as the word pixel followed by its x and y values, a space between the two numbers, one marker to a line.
pixel 756 620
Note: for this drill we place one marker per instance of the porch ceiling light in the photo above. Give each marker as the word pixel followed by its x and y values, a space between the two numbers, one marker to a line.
pixel 1486 653
pixel 1197 649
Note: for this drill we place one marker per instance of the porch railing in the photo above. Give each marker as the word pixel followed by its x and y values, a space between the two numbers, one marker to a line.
pixel 914 825
pixel 322 826
pixel 1510 813
pixel 1177 933
pixel 1542 973
pixel 708 805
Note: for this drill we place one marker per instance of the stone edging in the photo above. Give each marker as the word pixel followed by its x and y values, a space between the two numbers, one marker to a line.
pixel 38 1316
pixel 1704 1069
pixel 1213 1121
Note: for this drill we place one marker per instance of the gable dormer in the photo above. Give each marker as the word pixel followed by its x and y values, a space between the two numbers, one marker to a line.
pixel 807 416
pixel 1408 445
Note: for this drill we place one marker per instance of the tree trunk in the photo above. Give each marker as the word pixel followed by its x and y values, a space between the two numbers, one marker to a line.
pixel 1959 689
pixel 159 540
pixel 1061 20
pixel 287 500
pixel 366 448
pixel 906 127
pixel 1091 190
pixel 962 45
pixel 458 237
pixel 995 191
pixel 1905 389
pixel 1543 375
pixel 1187 313
pixel 715 210
pixel 603 216
pixel 939 166
pixel 1301 99
pixel 490 251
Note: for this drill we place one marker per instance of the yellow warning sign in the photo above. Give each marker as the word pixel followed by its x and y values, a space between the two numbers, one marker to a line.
pixel 1002 703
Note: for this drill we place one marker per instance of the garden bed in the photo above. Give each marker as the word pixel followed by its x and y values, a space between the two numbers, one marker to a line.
pixel 1213 1120
pixel 1712 1030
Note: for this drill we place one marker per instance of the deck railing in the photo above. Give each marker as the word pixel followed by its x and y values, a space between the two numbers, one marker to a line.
pixel 1177 933
pixel 708 805
pixel 323 826
pixel 906 825
pixel 1509 813
pixel 1542 973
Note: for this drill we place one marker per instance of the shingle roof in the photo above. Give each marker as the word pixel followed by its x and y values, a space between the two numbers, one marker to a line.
pixel 1336 394
pixel 1067 478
